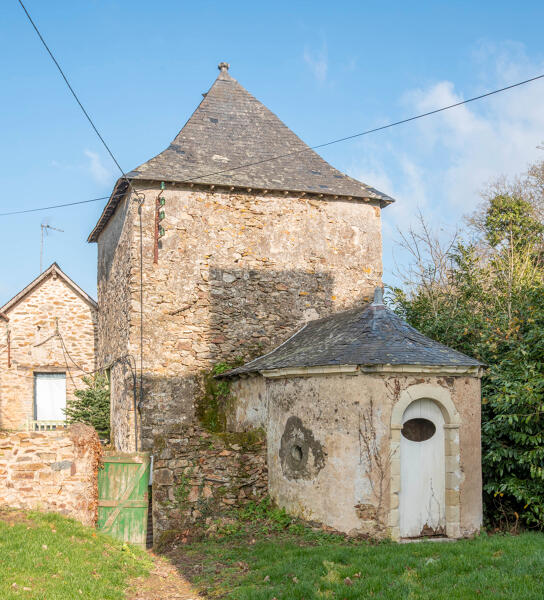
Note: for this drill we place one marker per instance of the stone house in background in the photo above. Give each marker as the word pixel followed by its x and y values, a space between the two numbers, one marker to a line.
pixel 48 335
pixel 233 260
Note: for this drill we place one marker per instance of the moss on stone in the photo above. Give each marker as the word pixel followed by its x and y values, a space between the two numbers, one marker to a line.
pixel 245 439
pixel 166 539
pixel 159 444
pixel 216 399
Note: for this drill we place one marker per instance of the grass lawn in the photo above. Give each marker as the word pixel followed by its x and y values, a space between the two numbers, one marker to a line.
pixel 270 561
pixel 48 557
pixel 262 554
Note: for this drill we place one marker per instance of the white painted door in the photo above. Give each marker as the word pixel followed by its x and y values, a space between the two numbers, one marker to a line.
pixel 50 389
pixel 422 507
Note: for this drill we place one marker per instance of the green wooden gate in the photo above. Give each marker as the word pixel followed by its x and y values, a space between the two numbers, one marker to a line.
pixel 123 496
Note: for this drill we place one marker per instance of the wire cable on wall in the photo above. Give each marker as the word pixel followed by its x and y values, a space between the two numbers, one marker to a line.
pixel 138 195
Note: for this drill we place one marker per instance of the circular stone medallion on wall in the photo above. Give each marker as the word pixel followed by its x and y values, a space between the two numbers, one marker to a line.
pixel 301 455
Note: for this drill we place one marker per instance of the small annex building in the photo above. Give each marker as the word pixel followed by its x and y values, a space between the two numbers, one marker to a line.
pixel 47 342
pixel 372 428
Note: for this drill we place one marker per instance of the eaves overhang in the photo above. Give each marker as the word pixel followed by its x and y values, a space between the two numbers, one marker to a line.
pixel 121 187
pixel 411 369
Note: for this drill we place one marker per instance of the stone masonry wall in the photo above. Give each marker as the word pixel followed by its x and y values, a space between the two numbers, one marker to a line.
pixel 198 476
pixel 116 284
pixel 237 274
pixel 51 471
pixel 35 346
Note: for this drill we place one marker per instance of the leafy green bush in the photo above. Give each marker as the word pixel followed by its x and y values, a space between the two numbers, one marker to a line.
pixel 91 405
pixel 265 510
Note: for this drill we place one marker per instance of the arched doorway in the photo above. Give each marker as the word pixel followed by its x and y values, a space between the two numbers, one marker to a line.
pixel 422 498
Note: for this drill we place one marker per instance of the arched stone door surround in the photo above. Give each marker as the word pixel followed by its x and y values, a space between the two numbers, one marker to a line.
pixel 441 396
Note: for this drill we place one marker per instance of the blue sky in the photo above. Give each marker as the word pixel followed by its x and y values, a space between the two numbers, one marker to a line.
pixel 326 69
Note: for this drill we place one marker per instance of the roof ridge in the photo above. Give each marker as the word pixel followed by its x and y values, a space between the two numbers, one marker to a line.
pixel 54 267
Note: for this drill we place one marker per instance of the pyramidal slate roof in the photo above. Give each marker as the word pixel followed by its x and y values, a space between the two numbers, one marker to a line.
pixel 368 336
pixel 229 129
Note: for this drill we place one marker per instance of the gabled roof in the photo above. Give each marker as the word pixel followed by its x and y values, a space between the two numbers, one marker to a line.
pixel 369 336
pixel 4 316
pixel 231 128
pixel 54 268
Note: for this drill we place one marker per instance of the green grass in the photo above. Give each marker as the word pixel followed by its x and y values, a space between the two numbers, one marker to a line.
pixel 297 567
pixel 59 559
pixel 264 554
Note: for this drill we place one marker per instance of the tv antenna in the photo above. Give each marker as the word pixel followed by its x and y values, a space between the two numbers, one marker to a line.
pixel 45 228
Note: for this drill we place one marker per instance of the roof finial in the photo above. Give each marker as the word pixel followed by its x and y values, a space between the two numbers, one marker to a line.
pixel 378 296
pixel 223 67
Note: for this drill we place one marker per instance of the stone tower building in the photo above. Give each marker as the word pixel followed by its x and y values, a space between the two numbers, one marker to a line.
pixel 218 249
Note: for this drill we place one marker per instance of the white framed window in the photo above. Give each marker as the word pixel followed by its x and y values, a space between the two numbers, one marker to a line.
pixel 49 396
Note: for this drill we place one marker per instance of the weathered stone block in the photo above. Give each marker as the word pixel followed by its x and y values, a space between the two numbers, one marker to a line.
pixel 60 466
pixel 33 483
pixel 163 477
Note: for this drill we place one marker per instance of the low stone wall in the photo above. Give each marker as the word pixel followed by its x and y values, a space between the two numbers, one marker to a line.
pixel 51 471
pixel 198 476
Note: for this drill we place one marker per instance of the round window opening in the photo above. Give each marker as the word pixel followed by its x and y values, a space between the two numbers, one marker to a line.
pixel 418 430
pixel 296 453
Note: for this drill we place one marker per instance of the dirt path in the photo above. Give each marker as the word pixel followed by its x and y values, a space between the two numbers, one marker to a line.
pixel 163 583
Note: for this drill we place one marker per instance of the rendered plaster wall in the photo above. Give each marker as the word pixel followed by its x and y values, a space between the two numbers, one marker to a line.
pixel 323 413
pixel 35 346
pixel 466 393
pixel 331 417
pixel 237 274
pixel 250 408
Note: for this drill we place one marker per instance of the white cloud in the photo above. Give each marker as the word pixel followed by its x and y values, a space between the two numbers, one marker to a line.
pixel 318 62
pixel 441 163
pixel 99 172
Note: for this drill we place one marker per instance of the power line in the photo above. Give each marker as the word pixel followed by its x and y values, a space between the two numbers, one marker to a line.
pixel 75 95
pixel 29 210
pixel 336 141
pixel 374 130
pixel 264 160
pixel 139 196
